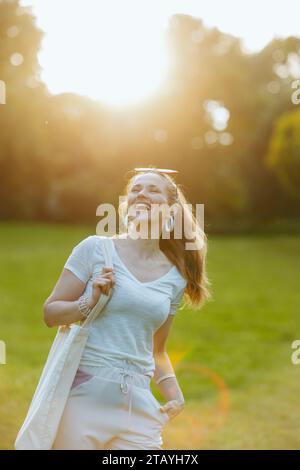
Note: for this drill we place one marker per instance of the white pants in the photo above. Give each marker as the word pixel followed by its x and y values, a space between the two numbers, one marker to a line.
pixel 111 406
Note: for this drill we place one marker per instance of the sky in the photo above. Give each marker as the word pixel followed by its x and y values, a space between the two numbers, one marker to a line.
pixel 71 26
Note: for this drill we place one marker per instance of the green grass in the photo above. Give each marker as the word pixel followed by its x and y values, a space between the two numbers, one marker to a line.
pixel 243 336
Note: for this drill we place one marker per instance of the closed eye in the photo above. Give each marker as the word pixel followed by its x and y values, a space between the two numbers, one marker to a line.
pixel 152 190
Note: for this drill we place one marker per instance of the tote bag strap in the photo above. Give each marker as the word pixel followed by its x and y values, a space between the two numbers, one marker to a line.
pixel 107 249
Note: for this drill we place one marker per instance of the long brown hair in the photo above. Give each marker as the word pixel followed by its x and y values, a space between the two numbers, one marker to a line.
pixel 190 263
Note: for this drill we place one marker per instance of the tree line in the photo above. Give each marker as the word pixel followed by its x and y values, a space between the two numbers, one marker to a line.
pixel 223 118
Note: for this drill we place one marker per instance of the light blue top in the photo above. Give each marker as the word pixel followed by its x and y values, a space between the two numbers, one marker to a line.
pixel 125 327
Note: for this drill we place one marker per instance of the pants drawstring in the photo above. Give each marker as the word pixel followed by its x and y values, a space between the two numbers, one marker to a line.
pixel 125 389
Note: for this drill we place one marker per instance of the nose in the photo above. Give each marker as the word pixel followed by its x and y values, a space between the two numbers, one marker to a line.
pixel 141 197
pixel 141 192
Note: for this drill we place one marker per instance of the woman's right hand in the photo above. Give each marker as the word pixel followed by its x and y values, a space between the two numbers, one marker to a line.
pixel 102 285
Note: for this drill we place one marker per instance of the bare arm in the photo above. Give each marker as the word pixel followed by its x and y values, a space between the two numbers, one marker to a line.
pixel 169 387
pixel 61 307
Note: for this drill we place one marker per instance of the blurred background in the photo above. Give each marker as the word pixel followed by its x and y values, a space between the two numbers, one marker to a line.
pixel 91 89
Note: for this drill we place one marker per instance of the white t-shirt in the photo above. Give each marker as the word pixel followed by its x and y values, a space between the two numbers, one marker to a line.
pixel 124 329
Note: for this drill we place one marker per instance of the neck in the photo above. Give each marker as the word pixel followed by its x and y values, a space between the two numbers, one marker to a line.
pixel 144 248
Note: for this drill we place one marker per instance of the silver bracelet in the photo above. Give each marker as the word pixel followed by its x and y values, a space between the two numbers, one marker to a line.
pixel 163 377
pixel 82 303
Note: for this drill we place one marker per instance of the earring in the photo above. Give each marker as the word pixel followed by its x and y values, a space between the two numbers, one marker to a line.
pixel 169 224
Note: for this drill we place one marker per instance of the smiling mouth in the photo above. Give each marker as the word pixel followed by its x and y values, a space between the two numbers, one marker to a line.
pixel 142 205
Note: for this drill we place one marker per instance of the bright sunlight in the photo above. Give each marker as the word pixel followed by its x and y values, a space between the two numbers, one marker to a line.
pixel 115 50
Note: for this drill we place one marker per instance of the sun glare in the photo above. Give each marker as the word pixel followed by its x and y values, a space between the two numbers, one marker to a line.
pixel 110 51
pixel 115 51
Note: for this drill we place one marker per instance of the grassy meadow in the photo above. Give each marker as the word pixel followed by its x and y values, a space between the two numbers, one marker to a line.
pixel 232 358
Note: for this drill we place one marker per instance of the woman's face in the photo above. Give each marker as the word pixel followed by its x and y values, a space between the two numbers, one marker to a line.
pixel 145 191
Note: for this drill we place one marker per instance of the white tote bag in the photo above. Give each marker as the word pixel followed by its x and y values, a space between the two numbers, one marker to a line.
pixel 45 411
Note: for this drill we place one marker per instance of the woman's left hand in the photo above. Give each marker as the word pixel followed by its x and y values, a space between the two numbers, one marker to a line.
pixel 172 407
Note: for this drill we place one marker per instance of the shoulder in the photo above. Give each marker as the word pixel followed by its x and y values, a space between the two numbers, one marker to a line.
pixel 178 288
pixel 92 240
pixel 81 258
pixel 93 243
pixel 87 244
pixel 88 250
pixel 180 283
pixel 97 240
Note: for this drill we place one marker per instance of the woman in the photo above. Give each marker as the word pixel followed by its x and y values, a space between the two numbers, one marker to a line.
pixel 110 405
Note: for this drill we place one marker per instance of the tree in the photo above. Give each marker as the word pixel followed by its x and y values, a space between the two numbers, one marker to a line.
pixel 283 155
